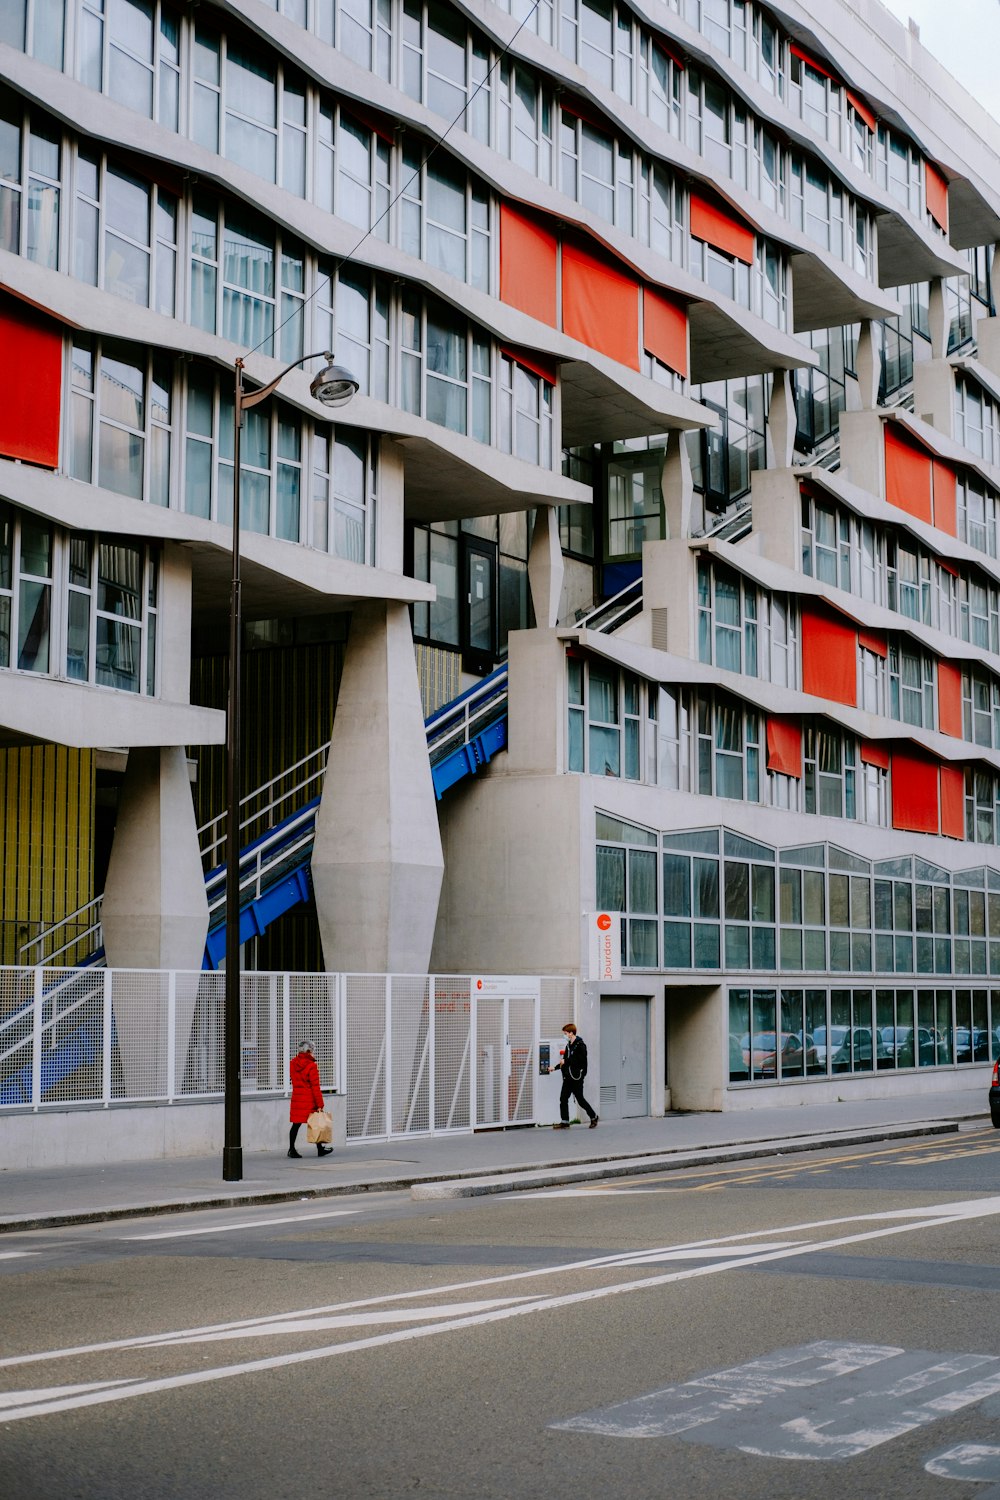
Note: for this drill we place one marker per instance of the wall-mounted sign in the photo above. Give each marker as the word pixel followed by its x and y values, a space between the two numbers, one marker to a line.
pixel 605 930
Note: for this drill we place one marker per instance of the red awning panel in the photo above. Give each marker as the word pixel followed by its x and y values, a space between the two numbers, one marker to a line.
pixel 721 229
pixel 944 497
pixel 907 474
pixel 873 640
pixel 829 657
pixel 936 193
pixel 949 699
pixel 914 792
pixel 665 329
pixel 874 755
pixel 861 108
pixel 952 802
pixel 784 746
pixel 600 306
pixel 538 364
pixel 528 254
pixel 30 384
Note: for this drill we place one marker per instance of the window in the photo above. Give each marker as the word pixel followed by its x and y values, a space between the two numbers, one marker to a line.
pixel 30 192
pixel 26 574
pixel 351 315
pixel 976 514
pixel 129 49
pixel 245 281
pixel 111 614
pixel 829 785
pixel 446 218
pixel 120 418
pixel 37 27
pixel 728 749
pixel 125 234
pixel 352 171
pixel 525 413
pixel 626 880
pixel 446 368
pixel 443 65
pixel 635 502
pixel 898 168
pixel 524 120
pixel 343 495
pixel 723 458
pixel 981 709
pixel 821 393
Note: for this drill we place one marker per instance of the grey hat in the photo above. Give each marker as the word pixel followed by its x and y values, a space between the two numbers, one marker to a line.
pixel 306 1047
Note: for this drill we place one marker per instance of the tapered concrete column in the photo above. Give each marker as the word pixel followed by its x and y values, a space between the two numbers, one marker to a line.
pixel 868 366
pixel 155 911
pixel 988 338
pixel 678 487
pixel 545 567
pixel 377 864
pixel 155 916
pixel 781 420
pixel 938 320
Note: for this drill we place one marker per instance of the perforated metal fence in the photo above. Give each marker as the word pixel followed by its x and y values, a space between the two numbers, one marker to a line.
pixel 414 1054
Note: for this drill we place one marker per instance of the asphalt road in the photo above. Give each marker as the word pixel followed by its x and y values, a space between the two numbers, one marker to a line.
pixel 819 1325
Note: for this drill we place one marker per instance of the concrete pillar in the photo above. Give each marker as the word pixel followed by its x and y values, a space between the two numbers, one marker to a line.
pixel 781 420
pixel 545 567
pixel 934 394
pixel 938 320
pixel 868 365
pixel 988 336
pixel 678 487
pixel 377 864
pixel 154 915
pixel 155 911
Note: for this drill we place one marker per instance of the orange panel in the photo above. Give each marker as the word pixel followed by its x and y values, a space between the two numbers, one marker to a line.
pixel 30 385
pixel 914 792
pixel 873 640
pixel 829 657
pixel 600 306
pixel 907 474
pixel 952 802
pixel 527 265
pixel 944 497
pixel 862 109
pixel 721 229
pixel 797 51
pixel 936 193
pixel 949 699
pixel 665 329
pixel 538 364
pixel 784 746
pixel 874 755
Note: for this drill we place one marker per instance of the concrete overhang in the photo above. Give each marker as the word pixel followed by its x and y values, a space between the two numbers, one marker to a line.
pixel 823 297
pixel 728 342
pixel 945 447
pixel 906 254
pixel 50 711
pixel 661 666
pixel 981 374
pixel 602 401
pixel 971 219
pixel 449 476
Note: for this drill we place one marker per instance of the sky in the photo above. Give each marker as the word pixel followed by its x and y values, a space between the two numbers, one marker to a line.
pixel 947 27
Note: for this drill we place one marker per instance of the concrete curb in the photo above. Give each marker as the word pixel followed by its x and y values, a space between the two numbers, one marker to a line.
pixel 672 1162
pixel 470 1182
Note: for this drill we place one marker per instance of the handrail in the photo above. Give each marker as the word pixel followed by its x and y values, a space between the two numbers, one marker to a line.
pixel 618 609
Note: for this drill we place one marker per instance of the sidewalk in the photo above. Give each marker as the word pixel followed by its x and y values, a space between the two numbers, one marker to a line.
pixel 464 1165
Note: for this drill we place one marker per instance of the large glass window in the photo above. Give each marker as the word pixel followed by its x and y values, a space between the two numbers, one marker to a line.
pixel 129 49
pixel 120 418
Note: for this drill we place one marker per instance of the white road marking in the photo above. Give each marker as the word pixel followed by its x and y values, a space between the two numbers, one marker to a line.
pixel 694 1252
pixel 16 1254
pixel 590 1264
pixel 180 1234
pixel 371 1319
pixel 939 1216
pixel 12 1399
pixel 602 1192
pixel 974 1461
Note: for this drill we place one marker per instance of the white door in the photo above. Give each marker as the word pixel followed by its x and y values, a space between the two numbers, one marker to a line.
pixel 624 1059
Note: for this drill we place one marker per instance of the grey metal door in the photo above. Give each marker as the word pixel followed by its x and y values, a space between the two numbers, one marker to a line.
pixel 624 1059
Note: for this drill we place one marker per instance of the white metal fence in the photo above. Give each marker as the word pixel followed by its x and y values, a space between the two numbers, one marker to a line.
pixel 414 1054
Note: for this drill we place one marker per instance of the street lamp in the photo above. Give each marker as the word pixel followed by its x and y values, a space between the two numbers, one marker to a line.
pixel 333 386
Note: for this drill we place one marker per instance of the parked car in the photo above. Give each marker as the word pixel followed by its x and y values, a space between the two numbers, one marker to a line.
pixel 760 1053
pixel 995 1096
pixel 836 1047
pixel 898 1044
pixel 972 1046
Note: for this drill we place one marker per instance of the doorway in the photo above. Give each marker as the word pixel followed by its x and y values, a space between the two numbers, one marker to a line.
pixel 624 1058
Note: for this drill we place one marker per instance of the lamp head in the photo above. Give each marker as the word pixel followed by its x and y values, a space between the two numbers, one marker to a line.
pixel 334 385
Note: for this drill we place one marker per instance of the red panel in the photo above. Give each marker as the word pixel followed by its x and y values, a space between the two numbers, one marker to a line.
pixel 721 229
pixel 829 657
pixel 874 755
pixel 527 265
pixel 949 699
pixel 600 306
pixel 907 474
pixel 379 123
pixel 873 640
pixel 665 329
pixel 936 193
pixel 30 385
pixel 862 109
pixel 671 52
pixel 952 802
pixel 944 497
pixel 538 364
pixel 784 746
pixel 914 792
pixel 797 51
pixel 948 567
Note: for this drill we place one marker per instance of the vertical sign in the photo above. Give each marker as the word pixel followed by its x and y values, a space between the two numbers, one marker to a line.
pixel 605 929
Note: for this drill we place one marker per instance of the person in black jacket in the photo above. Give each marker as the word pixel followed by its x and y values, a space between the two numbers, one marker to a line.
pixel 574 1070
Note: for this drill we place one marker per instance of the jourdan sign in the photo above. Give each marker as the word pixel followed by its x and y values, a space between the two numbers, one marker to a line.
pixel 605 929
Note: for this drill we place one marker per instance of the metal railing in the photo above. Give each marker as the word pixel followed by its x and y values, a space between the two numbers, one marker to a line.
pixel 459 721
pixel 608 616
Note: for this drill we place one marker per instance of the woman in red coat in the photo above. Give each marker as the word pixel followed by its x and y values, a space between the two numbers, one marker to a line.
pixel 306 1095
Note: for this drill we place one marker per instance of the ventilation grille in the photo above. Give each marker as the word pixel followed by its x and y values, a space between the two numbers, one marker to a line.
pixel 659 629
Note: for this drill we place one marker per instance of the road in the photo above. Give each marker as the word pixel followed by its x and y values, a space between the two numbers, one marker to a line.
pixel 822 1325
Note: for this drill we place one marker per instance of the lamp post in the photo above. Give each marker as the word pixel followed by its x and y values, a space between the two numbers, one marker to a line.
pixel 333 386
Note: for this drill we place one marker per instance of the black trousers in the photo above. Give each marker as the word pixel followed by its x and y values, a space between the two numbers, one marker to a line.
pixel 572 1088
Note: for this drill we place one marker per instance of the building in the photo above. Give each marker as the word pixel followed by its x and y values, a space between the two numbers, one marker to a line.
pixel 679 394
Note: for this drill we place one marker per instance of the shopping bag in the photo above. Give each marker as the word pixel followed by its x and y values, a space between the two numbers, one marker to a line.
pixel 319 1128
